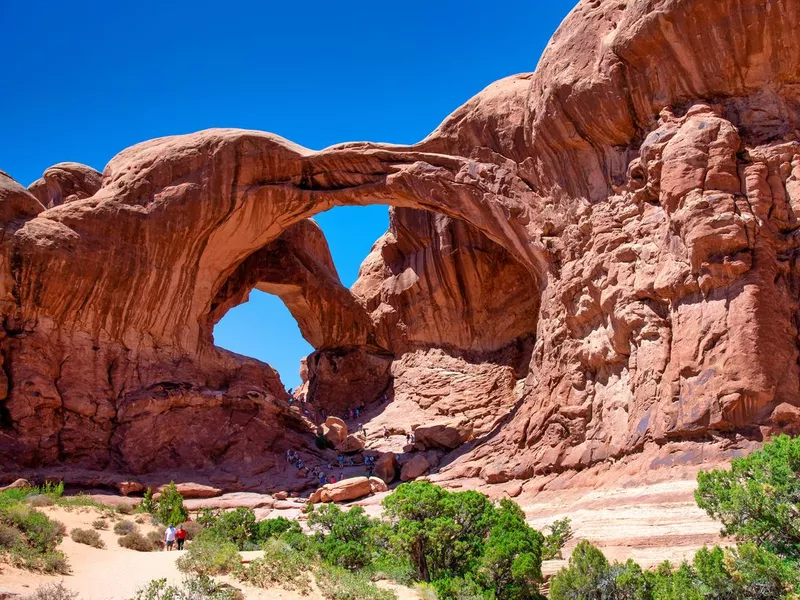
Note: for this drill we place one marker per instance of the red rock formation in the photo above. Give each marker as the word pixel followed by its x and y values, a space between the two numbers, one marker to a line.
pixel 629 211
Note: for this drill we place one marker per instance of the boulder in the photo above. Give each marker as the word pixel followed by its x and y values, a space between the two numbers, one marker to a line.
pixel 342 491
pixel 335 430
pixel 191 490
pixel 447 436
pixel 130 487
pixel 17 484
pixel 353 443
pixel 386 467
pixel 378 485
pixel 416 467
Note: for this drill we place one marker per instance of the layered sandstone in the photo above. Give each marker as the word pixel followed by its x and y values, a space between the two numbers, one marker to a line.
pixel 586 262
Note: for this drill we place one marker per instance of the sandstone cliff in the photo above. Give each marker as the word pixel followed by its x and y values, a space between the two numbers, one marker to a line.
pixel 589 261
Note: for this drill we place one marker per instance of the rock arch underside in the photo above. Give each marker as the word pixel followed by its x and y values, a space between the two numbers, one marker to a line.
pixel 586 262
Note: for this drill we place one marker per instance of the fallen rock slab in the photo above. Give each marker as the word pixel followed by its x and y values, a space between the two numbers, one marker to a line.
pixel 414 468
pixel 446 436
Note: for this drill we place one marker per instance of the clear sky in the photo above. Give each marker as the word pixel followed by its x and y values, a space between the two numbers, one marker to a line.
pixel 83 80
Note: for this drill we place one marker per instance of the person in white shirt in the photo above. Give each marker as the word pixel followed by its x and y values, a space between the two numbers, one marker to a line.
pixel 169 536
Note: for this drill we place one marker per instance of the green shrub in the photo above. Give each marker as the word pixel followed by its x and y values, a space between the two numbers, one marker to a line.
pixel 100 524
pixel 26 557
pixel 511 565
pixel 147 505
pixel 270 528
pixel 208 555
pixel 41 532
pixel 586 577
pixel 136 541
pixel 458 588
pixel 81 500
pixel 340 584
pixel 442 533
pixel 756 499
pixel 281 565
pixel 426 591
pixel 170 509
pixel 237 526
pixel 192 588
pixel 124 528
pixel 87 536
pixel 52 591
pixel 760 574
pixel 343 535
pixel 392 567
pixel 560 533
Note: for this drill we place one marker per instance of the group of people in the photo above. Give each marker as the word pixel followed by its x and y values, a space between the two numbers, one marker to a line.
pixel 172 535
pixel 293 459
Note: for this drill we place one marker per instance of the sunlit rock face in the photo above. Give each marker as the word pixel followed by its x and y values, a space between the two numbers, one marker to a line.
pixel 587 261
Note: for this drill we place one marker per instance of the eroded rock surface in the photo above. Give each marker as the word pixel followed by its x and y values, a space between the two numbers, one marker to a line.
pixel 585 262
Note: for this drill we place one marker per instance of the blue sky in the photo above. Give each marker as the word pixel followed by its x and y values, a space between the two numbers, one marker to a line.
pixel 83 80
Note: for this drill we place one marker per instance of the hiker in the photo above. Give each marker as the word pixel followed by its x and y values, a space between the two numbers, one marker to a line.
pixel 180 537
pixel 333 479
pixel 385 433
pixel 361 429
pixel 169 536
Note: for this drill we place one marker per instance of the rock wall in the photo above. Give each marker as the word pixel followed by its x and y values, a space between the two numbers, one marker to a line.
pixel 611 266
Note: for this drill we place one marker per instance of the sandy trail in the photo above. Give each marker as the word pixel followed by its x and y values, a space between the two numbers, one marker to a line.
pixel 115 573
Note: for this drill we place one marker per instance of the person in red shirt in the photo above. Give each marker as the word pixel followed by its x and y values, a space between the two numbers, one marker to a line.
pixel 180 536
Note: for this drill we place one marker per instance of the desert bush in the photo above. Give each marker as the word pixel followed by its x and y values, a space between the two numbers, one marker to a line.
pixel 100 524
pixel 157 539
pixel 426 591
pixel 193 529
pixel 40 500
pixel 192 588
pixel 39 530
pixel 336 583
pixel 124 528
pixel 554 542
pixel 127 509
pixel 136 541
pixel 87 536
pixel 52 591
pixel 9 535
pixel 169 509
pixel 139 519
pixel 26 557
pixel 280 565
pixel 208 555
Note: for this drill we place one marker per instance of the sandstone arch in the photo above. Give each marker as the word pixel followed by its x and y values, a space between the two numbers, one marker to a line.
pixel 649 188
